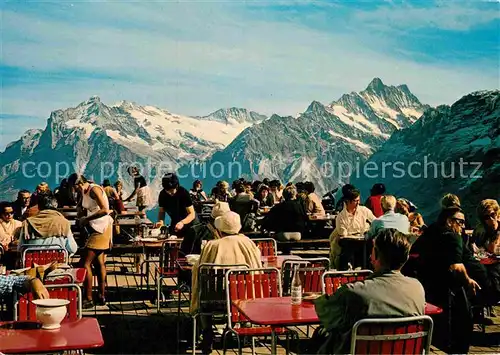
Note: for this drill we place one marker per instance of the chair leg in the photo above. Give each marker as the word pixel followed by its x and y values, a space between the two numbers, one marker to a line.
pixel 194 335
pixel 253 345
pixel 287 350
pixel 158 292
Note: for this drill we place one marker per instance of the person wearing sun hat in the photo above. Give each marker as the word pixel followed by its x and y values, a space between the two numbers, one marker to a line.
pixel 231 249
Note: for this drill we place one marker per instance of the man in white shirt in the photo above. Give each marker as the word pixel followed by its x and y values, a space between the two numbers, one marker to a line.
pixel 354 220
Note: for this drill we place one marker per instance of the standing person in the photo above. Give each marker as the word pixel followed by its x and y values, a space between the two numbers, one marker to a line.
pixel 98 226
pixel 113 197
pixel 120 192
pixel 141 189
pixel 21 205
pixel 176 202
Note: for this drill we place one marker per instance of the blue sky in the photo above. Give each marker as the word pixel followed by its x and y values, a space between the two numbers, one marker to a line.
pixel 272 57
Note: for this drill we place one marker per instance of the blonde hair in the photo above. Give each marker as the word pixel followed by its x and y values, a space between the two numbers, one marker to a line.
pixel 450 200
pixel 388 203
pixel 43 186
pixel 486 207
pixel 402 207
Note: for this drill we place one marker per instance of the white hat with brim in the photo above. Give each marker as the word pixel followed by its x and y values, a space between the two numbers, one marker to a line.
pixel 229 223
pixel 219 209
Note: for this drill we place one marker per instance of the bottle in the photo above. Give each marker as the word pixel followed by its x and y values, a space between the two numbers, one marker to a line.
pixel 296 288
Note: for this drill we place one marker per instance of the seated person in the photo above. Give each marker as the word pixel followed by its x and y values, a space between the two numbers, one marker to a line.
pixel 389 219
pixel 21 205
pixel 385 293
pixel 232 248
pixel 48 227
pixel 218 210
pixel 221 192
pixel 417 224
pixel 9 227
pixel 288 219
pixel 313 201
pixel 374 201
pixel 197 193
pixel 485 234
pixel 352 220
pixel 447 263
pixel 276 191
pixel 11 283
pixel 244 205
pixel 264 197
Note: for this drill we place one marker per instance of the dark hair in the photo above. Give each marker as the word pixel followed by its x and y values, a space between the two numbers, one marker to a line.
pixel 352 194
pixel 447 213
pixel 265 181
pixel 195 183
pixel 392 248
pixel 346 188
pixel 289 193
pixel 255 185
pixel 274 183
pixel 130 169
pixel 300 187
pixel 170 181
pixel 106 183
pixel 22 192
pixel 75 179
pixel 47 201
pixel 4 205
pixel 309 187
pixel 239 187
pixel 377 189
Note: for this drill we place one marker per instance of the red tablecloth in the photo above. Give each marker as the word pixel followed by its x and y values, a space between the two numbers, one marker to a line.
pixel 280 312
pixel 82 334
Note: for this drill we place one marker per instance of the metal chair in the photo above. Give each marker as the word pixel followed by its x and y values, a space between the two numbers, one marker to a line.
pixel 408 335
pixel 168 267
pixel 24 309
pixel 332 280
pixel 43 254
pixel 310 270
pixel 212 292
pixel 245 284
pixel 267 246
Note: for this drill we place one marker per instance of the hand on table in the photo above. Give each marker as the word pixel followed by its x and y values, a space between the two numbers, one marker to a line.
pixel 39 289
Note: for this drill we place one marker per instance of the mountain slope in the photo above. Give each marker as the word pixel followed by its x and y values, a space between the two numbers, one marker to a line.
pixel 440 154
pixel 321 144
pixel 99 140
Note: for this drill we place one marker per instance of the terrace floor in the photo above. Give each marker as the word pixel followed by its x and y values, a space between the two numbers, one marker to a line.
pixel 131 325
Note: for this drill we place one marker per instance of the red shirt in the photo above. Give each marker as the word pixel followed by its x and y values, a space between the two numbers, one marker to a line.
pixel 373 203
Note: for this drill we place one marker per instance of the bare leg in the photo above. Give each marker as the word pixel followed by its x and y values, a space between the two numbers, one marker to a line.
pixel 88 258
pixel 100 268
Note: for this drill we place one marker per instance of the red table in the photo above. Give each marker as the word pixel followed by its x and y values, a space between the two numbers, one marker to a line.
pixel 82 334
pixel 277 261
pixel 279 312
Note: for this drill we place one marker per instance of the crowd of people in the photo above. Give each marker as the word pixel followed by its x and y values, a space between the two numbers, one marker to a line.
pixel 446 256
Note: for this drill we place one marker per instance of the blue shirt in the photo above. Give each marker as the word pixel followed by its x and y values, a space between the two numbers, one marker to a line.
pixel 390 220
pixel 10 283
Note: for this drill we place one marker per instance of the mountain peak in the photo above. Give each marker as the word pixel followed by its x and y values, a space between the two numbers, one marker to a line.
pixel 376 85
pixel 237 114
pixel 315 107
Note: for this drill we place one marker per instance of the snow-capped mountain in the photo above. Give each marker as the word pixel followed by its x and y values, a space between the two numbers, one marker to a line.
pixel 319 145
pixel 94 138
pixel 448 150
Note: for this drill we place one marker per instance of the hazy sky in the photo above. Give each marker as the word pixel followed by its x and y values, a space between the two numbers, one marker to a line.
pixel 271 57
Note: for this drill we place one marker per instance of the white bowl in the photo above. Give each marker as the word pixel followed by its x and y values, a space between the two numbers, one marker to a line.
pixel 51 312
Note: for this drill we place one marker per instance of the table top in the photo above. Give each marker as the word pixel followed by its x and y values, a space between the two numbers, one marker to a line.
pixel 319 218
pixel 353 237
pixel 130 214
pixel 131 222
pixel 277 261
pixel 81 334
pixel 280 312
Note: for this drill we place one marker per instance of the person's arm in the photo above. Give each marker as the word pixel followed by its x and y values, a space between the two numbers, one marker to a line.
pixel 96 195
pixel 188 219
pixel 9 284
pixel 342 224
pixel 161 217
pixel 71 245
pixel 461 271
pixel 454 257
pixel 136 187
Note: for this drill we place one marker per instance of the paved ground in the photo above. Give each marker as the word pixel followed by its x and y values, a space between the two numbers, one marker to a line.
pixel 131 325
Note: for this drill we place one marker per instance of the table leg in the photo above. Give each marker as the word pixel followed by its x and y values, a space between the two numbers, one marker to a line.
pixel 273 341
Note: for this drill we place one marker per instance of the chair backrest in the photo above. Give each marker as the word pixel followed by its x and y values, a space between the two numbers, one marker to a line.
pixel 242 284
pixel 212 286
pixel 24 309
pixel 408 335
pixel 310 271
pixel 170 252
pixel 43 254
pixel 332 280
pixel 267 246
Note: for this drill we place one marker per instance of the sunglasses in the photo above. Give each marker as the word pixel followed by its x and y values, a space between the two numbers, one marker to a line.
pixel 460 221
pixel 8 213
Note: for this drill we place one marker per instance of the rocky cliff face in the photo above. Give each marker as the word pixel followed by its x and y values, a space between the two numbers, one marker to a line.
pixel 102 140
pixel 450 149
